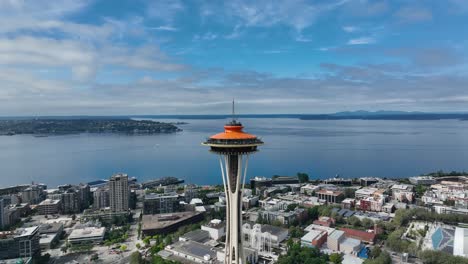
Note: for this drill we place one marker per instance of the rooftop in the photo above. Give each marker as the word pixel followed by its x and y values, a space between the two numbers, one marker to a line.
pixel 165 220
pixel 50 202
pixel 194 249
pixel 87 232
pixel 313 235
pixel 362 235
pixel 197 235
pixel 336 234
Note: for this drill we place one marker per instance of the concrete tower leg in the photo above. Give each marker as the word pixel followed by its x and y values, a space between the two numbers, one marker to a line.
pixel 234 181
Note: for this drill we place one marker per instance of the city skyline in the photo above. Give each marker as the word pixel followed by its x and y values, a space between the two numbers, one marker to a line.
pixel 191 57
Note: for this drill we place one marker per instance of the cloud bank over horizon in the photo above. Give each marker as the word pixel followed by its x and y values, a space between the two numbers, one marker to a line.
pixel 92 57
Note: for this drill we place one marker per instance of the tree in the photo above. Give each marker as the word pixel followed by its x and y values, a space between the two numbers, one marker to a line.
pixel 349 192
pixel 136 258
pixel 299 255
pixel 94 257
pixel 367 223
pixel 313 213
pixel 375 252
pixel 336 258
pixel 440 257
pixel 291 207
pixel 354 221
pixel 303 177
pixel 123 247
pixel 383 258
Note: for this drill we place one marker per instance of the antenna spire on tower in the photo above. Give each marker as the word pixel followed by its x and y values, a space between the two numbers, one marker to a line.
pixel 233 110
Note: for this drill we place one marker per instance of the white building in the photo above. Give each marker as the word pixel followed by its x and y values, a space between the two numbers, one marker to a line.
pixel 86 235
pixel 422 180
pixel 263 237
pixel 216 228
pixel 460 243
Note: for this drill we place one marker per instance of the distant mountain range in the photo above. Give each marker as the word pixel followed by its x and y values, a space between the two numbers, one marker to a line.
pixel 347 115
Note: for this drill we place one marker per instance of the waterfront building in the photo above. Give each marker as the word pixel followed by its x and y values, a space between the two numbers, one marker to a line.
pixel 258 182
pixel 422 180
pixel 119 193
pixel 367 181
pixel 233 147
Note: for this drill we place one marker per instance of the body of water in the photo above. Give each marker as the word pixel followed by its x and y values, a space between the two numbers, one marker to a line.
pixel 351 148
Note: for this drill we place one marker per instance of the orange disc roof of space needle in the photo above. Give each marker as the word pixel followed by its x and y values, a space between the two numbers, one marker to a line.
pixel 233 132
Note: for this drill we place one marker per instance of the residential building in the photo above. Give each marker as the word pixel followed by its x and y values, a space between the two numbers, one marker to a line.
pixel 34 194
pixel 2 213
pixel 161 203
pixel 21 243
pixel 49 207
pixel 101 198
pixel 348 203
pixel 330 196
pixel 70 203
pixel 119 192
pixel 403 193
pixel 325 221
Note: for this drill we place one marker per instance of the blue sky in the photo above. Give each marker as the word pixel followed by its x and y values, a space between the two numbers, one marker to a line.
pixel 192 57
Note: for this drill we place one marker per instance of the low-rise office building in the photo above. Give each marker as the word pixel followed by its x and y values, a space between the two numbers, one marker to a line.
pixel 315 238
pixel 87 235
pixel 216 228
pixel 165 223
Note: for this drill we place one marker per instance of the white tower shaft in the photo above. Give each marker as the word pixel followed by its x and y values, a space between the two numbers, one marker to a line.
pixel 234 182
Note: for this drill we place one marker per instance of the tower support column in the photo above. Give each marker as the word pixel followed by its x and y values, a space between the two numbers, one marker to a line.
pixel 233 169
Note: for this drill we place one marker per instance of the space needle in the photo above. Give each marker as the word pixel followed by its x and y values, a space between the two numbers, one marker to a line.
pixel 233 146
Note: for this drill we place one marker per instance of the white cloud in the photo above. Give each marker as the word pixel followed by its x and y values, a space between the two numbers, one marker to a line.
pixel 298 14
pixel 164 28
pixel 350 29
pixel 361 41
